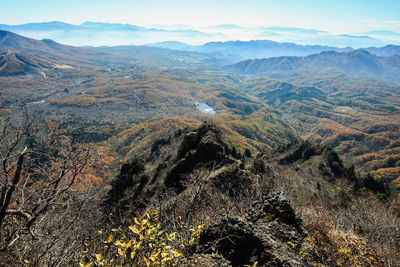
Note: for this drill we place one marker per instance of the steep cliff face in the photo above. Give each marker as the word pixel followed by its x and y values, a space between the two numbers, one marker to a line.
pixel 200 157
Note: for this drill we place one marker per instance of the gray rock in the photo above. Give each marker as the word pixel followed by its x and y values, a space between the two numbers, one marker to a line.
pixel 271 235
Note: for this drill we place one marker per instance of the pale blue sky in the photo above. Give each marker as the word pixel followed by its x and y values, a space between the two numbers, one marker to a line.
pixel 339 16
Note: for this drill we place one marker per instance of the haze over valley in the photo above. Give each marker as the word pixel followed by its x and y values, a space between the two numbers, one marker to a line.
pixel 113 34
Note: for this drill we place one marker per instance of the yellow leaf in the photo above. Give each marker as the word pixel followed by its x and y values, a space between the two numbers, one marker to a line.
pixel 133 254
pixel 26 261
pixel 155 254
pixel 138 245
pixel 164 254
pixel 136 221
pixel 292 245
pixel 121 252
pixel 109 239
pixel 146 261
pixel 166 259
pixel 99 256
pixel 134 229
pixel 171 236
pixel 176 253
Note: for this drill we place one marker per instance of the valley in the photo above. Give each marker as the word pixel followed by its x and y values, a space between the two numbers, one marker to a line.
pixel 343 105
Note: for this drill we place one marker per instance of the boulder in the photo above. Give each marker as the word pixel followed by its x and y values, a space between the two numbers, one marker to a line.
pixel 271 235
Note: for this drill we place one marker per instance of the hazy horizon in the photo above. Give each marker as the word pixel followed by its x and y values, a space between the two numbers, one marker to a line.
pixel 197 23
pixel 336 17
pixel 114 34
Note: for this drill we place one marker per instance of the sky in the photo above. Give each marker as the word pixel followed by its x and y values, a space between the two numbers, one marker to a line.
pixel 339 16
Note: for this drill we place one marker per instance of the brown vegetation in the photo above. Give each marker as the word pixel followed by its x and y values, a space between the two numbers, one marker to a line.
pixel 81 100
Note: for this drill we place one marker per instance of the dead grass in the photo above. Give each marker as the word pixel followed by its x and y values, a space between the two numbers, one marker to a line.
pixel 366 232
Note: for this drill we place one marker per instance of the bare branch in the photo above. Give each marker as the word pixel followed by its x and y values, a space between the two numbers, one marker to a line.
pixel 17 176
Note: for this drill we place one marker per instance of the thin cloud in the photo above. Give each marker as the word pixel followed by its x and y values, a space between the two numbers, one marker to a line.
pixel 395 22
pixel 367 20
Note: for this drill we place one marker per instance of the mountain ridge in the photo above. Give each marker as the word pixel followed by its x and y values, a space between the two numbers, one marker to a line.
pixel 267 48
pixel 54 51
pixel 357 62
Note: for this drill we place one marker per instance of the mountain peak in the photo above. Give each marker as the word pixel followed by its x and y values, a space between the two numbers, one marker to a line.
pixel 357 62
pixel 110 26
pixel 360 51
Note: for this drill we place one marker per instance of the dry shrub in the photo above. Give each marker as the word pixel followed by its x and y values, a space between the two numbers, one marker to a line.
pixel 366 232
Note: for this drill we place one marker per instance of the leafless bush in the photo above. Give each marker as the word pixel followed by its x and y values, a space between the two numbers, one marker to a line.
pixel 365 219
pixel 38 209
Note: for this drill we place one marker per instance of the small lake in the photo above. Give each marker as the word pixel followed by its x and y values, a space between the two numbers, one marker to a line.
pixel 203 107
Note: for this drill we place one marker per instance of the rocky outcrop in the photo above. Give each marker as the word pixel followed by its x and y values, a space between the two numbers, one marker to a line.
pixel 275 207
pixel 271 235
pixel 203 147
pixel 331 166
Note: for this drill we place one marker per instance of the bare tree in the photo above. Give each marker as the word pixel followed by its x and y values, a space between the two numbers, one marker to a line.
pixel 35 182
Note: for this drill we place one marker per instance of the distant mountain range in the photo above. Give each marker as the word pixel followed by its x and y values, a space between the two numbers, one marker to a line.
pixel 310 36
pixel 22 55
pixel 16 50
pixel 46 47
pixel 116 34
pixel 265 48
pixel 252 49
pixel 358 62
pixel 389 50
pixel 111 34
